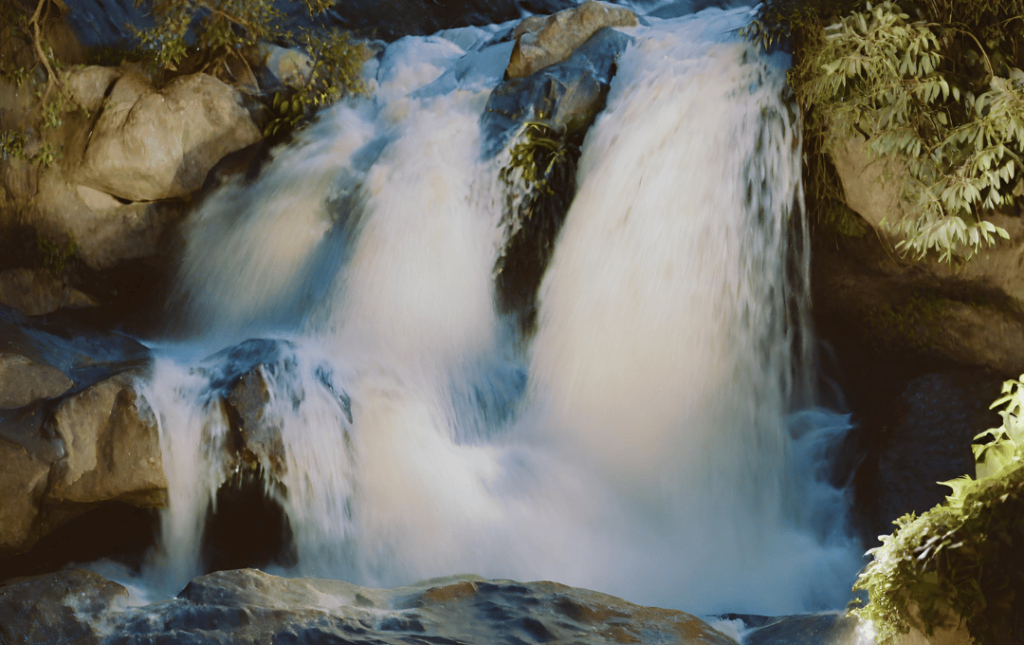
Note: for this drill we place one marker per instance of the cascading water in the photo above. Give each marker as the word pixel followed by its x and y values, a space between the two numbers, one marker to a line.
pixel 642 443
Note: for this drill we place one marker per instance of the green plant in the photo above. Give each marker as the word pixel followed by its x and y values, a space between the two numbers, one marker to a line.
pixel 540 182
pixel 56 257
pixel 205 34
pixel 938 94
pixel 13 146
pixel 964 559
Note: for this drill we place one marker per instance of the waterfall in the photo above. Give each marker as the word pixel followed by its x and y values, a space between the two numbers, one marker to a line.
pixel 655 439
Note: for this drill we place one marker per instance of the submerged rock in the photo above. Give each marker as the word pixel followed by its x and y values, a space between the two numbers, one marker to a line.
pixel 248 606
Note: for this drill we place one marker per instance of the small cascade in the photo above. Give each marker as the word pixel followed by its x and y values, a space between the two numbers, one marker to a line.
pixel 654 439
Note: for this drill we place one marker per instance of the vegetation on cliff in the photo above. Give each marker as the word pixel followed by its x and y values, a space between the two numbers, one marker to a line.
pixel 961 560
pixel 934 86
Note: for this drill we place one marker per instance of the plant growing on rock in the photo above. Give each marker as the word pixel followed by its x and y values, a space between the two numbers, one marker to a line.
pixel 207 35
pixel 934 87
pixel 963 559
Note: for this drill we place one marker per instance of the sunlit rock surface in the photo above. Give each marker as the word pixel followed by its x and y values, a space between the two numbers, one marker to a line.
pixel 248 606
pixel 157 144
pixel 561 33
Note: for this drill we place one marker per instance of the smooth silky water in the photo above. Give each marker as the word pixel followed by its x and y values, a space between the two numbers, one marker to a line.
pixel 656 438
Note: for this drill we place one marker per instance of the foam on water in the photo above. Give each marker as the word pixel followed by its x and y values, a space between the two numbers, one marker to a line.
pixel 646 442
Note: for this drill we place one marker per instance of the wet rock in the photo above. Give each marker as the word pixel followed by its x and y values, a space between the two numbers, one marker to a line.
pixel 260 432
pixel 159 144
pixel 540 45
pixel 567 96
pixel 872 188
pixel 800 629
pixel 281 67
pixel 57 608
pixel 112 448
pixel 23 381
pixel 923 439
pixel 36 292
pixel 250 606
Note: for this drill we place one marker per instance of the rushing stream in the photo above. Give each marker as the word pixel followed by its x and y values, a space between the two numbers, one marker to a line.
pixel 656 438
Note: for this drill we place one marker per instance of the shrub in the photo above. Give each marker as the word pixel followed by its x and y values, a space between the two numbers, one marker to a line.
pixel 934 87
pixel 964 558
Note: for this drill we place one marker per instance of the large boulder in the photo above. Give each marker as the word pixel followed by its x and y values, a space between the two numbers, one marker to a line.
pixel 566 96
pixel 539 45
pixel 23 381
pixel 872 188
pixel 250 606
pixel 24 473
pixel 36 292
pixel 112 448
pixel 62 607
pixel 153 144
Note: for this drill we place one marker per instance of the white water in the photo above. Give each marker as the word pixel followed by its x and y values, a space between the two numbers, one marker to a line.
pixel 647 442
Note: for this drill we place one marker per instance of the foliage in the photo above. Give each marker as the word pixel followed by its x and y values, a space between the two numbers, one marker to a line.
pixel 56 257
pixel 963 558
pixel 934 88
pixel 206 35
pixel 540 181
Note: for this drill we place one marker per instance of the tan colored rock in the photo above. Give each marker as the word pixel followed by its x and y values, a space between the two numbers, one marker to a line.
pixel 112 448
pixel 23 381
pixel 149 145
pixel 23 477
pixel 562 33
pixel 89 85
pixel 35 292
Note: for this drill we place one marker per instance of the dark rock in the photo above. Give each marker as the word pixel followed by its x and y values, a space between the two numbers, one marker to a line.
pixel 23 381
pixel 36 292
pixel 805 629
pixel 57 608
pixel 567 96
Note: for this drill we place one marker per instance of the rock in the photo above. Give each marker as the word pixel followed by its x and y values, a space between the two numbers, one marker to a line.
pixel 250 606
pixel 36 292
pixel 562 33
pixel 799 629
pixel 567 96
pixel 149 145
pixel 57 608
pixel 926 438
pixel 89 85
pixel 23 477
pixel 23 381
pixel 280 67
pixel 260 430
pixel 872 188
pixel 112 448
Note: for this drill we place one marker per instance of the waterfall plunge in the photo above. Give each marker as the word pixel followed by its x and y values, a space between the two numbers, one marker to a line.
pixel 640 444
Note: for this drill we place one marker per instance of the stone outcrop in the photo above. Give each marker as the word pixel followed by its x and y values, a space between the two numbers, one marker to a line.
pixel 158 144
pixel 36 292
pixel 23 381
pixel 539 45
pixel 249 606
pixel 111 448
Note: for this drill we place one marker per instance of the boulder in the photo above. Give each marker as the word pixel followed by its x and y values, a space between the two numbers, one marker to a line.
pixel 57 608
pixel 36 292
pixel 89 85
pixel 250 606
pixel 281 67
pixel 23 478
pixel 112 448
pixel 259 428
pixel 159 144
pixel 872 188
pixel 23 381
pixel 561 33
pixel 566 96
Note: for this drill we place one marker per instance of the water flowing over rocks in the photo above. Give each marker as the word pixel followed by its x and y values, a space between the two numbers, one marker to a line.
pixel 539 45
pixel 250 606
pixel 158 144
